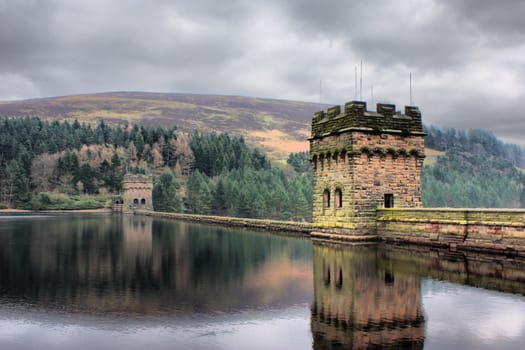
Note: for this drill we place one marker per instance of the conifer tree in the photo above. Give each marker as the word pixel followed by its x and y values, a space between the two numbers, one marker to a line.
pixel 165 194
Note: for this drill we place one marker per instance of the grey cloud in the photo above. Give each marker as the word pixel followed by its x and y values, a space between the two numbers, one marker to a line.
pixel 72 44
pixel 460 52
pixel 386 33
pixel 502 20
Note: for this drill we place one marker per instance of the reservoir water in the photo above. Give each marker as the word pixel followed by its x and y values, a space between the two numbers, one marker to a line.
pixel 131 282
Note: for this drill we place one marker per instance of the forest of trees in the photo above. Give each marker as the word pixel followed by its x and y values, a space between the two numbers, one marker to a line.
pixel 69 165
pixel 477 170
pixel 62 165
pixel 54 158
pixel 229 178
pixel 475 141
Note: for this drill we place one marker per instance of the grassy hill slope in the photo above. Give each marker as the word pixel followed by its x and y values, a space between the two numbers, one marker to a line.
pixel 277 126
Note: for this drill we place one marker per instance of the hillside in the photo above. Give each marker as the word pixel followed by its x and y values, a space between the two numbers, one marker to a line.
pixel 472 168
pixel 463 168
pixel 277 126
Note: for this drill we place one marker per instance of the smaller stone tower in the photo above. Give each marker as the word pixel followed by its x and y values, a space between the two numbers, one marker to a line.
pixel 363 160
pixel 137 192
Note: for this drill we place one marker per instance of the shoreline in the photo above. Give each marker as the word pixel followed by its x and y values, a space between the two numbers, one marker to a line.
pixel 501 232
pixel 292 227
pixel 72 211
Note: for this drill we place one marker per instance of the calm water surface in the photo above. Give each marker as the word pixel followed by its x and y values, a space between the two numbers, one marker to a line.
pixel 120 282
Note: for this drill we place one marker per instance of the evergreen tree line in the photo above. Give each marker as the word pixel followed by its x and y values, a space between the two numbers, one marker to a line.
pixel 477 170
pixel 475 141
pixel 221 175
pixel 42 156
pixel 41 163
pixel 37 136
pixel 229 178
pixel 300 162
pixel 216 154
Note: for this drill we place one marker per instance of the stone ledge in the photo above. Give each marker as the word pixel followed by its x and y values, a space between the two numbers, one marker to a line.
pixel 344 238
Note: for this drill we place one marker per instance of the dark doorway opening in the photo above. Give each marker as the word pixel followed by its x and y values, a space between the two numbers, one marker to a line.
pixel 143 201
pixel 389 200
pixel 135 201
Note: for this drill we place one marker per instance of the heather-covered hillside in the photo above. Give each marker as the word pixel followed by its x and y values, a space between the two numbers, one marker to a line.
pixel 277 126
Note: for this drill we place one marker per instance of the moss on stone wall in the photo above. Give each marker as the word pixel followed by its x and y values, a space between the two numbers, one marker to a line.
pixel 492 230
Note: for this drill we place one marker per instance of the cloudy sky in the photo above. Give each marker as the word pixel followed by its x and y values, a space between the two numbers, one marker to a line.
pixel 467 57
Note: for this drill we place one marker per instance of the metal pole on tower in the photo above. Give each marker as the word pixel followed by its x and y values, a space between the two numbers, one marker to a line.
pixel 355 83
pixel 320 91
pixel 411 101
pixel 361 83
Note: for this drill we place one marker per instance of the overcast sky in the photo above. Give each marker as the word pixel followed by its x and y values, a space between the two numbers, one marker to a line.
pixel 467 57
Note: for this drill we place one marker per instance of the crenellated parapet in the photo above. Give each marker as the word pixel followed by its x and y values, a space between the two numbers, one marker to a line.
pixel 133 178
pixel 355 116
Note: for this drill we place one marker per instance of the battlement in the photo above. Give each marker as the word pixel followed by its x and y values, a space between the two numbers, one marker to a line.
pixel 356 116
pixel 138 178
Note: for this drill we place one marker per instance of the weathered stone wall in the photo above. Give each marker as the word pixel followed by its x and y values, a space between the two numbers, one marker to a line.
pixel 486 230
pixel 333 171
pixel 492 230
pixel 360 156
pixel 295 228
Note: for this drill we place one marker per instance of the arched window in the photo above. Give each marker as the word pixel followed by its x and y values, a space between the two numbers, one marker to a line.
pixel 143 201
pixel 326 198
pixel 135 201
pixel 338 198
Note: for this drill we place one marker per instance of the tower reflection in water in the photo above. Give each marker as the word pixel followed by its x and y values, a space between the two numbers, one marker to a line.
pixel 362 302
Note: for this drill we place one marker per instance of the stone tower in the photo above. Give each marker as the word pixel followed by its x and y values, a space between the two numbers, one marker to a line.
pixel 137 192
pixel 363 160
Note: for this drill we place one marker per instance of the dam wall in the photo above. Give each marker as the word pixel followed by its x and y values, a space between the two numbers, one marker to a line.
pixel 488 230
pixel 500 231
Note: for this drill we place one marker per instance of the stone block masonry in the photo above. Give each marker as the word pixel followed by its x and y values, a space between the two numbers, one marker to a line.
pixel 488 230
pixel 367 185
pixel 363 160
pixel 500 231
pixel 137 192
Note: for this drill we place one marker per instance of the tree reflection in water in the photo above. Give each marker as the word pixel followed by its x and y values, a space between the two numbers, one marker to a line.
pixel 116 278
pixel 145 266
